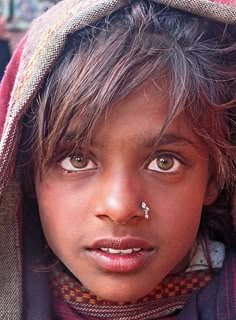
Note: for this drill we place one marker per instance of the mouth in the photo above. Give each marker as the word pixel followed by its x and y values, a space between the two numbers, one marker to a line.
pixel 120 255
pixel 125 251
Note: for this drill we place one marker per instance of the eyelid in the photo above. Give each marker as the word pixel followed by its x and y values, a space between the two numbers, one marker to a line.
pixel 70 150
pixel 177 155
pixel 67 166
pixel 89 165
pixel 163 154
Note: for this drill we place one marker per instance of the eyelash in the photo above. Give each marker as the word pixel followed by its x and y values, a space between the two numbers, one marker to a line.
pixel 171 155
pixel 87 164
pixel 93 164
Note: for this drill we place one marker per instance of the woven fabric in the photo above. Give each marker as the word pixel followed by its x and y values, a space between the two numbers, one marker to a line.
pixel 216 301
pixel 38 56
pixel 10 273
pixel 221 10
pixel 33 59
pixel 168 297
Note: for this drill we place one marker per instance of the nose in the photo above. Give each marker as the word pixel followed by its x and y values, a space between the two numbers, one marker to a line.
pixel 118 199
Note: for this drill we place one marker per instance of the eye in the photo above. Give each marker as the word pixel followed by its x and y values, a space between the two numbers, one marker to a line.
pixel 165 163
pixel 77 163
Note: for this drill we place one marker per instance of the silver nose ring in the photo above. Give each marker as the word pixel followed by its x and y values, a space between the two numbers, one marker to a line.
pixel 145 209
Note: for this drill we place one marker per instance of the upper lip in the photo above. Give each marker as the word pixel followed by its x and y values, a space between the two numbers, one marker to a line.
pixel 120 243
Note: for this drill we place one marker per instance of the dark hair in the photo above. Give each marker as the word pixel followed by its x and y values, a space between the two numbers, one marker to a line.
pixel 194 56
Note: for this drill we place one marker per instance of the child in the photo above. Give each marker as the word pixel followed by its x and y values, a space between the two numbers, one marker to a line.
pixel 118 128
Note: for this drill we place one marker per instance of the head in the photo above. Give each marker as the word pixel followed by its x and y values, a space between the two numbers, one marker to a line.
pixel 138 108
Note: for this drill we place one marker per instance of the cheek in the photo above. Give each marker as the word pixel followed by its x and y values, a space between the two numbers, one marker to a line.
pixel 177 216
pixel 61 213
pixel 176 234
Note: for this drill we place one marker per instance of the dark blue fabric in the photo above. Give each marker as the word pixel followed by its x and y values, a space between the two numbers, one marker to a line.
pixel 5 56
pixel 217 300
pixel 36 296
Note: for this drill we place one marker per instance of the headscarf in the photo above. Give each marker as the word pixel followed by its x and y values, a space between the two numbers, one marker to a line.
pixel 32 61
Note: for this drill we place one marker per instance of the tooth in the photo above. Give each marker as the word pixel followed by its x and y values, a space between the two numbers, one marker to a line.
pixel 113 250
pixel 126 251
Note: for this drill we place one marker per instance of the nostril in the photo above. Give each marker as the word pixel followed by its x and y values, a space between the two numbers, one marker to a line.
pixel 122 214
pixel 118 199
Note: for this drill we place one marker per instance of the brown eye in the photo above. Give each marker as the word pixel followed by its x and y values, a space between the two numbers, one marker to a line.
pixel 77 163
pixel 165 163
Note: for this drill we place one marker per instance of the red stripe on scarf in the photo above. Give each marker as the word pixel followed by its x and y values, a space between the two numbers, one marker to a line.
pixel 8 83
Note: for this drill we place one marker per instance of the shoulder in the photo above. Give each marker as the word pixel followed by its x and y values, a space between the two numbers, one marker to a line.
pixel 217 301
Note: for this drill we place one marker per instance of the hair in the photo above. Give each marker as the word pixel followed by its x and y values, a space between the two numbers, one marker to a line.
pixel 193 56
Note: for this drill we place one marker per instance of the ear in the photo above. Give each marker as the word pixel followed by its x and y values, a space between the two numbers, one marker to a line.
pixel 212 192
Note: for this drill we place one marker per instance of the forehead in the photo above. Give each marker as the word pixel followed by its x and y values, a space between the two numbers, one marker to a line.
pixel 138 118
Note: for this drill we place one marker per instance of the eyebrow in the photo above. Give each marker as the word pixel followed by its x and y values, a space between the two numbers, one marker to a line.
pixel 168 138
pixel 156 140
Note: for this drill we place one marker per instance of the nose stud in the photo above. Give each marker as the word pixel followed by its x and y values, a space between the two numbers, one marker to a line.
pixel 145 209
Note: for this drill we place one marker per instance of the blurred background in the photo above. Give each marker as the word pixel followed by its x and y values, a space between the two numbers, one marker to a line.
pixel 15 17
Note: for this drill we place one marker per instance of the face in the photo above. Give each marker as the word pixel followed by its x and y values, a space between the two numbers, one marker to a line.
pixel 90 205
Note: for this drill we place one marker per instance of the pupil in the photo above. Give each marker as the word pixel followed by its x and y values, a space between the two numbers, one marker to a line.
pixel 78 162
pixel 165 163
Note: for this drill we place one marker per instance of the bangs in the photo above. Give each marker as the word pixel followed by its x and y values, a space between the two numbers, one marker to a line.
pixel 183 56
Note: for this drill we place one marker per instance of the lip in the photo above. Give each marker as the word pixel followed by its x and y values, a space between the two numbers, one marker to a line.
pixel 120 263
pixel 121 243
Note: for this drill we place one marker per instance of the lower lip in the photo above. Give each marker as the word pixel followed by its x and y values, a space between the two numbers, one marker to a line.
pixel 121 263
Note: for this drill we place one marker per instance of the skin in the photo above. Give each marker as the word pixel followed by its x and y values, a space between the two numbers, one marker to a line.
pixel 101 199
